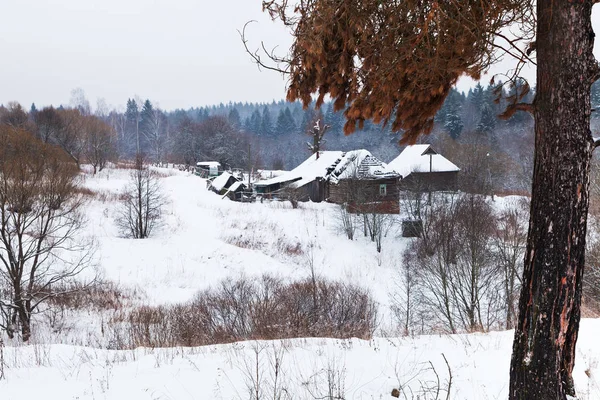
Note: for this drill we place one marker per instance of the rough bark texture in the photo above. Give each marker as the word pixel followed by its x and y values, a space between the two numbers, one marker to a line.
pixel 546 331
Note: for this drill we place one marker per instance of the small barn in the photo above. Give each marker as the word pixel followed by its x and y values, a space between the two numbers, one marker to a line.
pixel 238 192
pixel 208 169
pixel 364 183
pixel 228 185
pixel 423 169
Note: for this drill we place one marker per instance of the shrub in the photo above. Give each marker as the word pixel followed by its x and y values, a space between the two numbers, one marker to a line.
pixel 262 308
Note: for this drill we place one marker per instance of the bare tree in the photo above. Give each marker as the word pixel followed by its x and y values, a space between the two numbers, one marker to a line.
pixel 456 276
pixel 99 143
pixel 437 257
pixel 47 124
pixel 510 238
pixel 347 221
pixel 40 225
pixel 70 136
pixel 142 204
pixel 79 101
pixel 404 299
pixel 317 132
pixel 474 278
pixel 14 115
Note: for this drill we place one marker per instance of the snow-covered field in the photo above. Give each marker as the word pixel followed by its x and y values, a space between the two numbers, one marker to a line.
pixel 206 239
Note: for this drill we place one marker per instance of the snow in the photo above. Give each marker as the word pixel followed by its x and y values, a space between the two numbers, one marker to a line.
pixel 193 251
pixel 366 369
pixel 413 159
pixel 270 173
pixel 214 164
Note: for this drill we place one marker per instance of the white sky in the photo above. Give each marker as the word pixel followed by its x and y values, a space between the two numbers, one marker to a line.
pixel 177 53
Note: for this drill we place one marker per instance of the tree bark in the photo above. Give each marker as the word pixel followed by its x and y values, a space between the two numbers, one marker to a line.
pixel 549 305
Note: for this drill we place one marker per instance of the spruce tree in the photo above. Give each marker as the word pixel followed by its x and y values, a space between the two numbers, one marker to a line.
pixel 290 122
pixel 131 137
pixel 266 124
pixel 452 118
pixel 234 118
pixel 281 125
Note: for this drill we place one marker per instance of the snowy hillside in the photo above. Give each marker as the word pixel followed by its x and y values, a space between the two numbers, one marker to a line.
pixel 206 240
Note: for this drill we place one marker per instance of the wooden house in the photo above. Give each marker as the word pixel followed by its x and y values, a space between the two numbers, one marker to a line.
pixel 423 169
pixel 364 184
pixel 305 182
pixel 354 178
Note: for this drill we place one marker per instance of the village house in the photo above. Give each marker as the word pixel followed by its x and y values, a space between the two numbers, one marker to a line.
pixel 360 181
pixel 305 182
pixel 364 184
pixel 355 178
pixel 423 169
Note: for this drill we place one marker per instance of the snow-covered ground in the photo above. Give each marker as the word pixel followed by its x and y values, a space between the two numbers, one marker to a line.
pixel 206 239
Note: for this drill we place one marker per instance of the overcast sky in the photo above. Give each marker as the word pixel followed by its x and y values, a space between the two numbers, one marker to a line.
pixel 177 53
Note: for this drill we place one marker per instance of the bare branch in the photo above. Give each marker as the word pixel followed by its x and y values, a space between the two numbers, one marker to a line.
pixel 255 55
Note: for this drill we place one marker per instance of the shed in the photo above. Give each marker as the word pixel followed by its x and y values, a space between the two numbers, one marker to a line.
pixel 207 169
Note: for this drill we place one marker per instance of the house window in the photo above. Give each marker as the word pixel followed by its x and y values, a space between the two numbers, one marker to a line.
pixel 382 189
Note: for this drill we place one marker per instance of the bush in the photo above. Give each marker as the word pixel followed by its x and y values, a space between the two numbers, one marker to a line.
pixel 264 308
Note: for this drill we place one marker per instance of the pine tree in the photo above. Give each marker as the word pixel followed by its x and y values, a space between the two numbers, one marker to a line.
pixel 487 123
pixel 281 124
pixel 255 122
pixel 202 114
pixel 234 118
pixel 290 122
pixel 131 138
pixel 476 97
pixel 147 126
pixel 266 124
pixel 452 119
pixel 412 67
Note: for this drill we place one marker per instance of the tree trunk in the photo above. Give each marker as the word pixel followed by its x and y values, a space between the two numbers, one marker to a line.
pixel 549 305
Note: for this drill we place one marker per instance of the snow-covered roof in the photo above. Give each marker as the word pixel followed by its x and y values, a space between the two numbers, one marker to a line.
pixel 208 164
pixel 235 185
pixel 270 173
pixel 421 158
pixel 220 181
pixel 308 171
pixel 334 165
pixel 361 164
